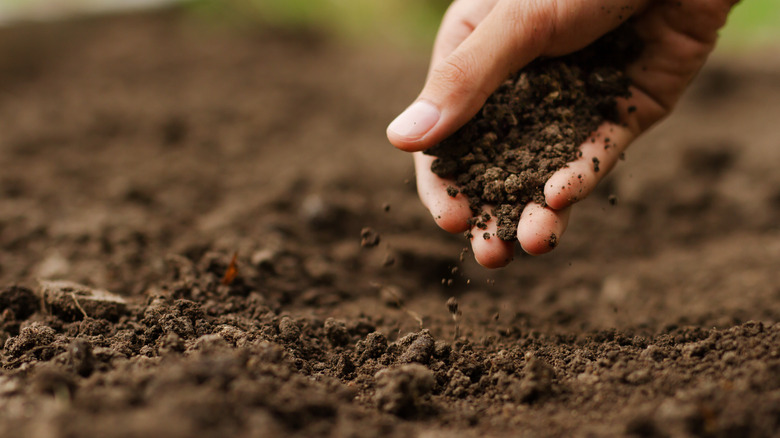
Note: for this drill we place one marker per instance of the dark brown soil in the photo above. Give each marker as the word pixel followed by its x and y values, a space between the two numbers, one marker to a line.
pixel 532 126
pixel 140 153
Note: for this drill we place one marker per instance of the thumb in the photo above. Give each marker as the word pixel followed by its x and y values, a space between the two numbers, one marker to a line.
pixel 509 37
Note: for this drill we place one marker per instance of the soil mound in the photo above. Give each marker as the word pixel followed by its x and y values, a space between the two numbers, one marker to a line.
pixel 140 154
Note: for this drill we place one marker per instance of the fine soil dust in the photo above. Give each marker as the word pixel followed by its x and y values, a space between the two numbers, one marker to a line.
pixel 532 126
pixel 139 154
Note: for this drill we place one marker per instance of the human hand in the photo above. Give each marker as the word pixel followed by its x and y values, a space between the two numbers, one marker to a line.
pixel 481 42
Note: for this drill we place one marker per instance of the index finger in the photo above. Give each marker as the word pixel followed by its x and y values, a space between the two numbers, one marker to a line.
pixel 461 18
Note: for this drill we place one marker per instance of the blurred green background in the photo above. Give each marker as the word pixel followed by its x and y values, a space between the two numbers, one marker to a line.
pixel 752 23
pixel 411 22
pixel 398 21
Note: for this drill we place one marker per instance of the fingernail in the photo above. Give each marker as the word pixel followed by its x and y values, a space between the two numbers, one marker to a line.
pixel 415 121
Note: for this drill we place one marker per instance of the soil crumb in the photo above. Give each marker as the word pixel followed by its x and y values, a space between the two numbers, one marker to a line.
pixel 369 238
pixel 401 389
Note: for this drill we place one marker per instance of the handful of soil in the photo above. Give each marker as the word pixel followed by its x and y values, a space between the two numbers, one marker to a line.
pixel 532 126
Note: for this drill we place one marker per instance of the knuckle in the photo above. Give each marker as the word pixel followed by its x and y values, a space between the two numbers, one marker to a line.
pixel 456 74
pixel 533 22
pixel 468 13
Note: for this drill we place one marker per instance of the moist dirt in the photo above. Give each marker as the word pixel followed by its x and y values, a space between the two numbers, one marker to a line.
pixel 531 126
pixel 203 232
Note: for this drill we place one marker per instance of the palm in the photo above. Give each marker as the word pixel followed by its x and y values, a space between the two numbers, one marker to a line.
pixel 674 51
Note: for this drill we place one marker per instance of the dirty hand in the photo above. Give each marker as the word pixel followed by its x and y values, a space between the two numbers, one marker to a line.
pixel 481 42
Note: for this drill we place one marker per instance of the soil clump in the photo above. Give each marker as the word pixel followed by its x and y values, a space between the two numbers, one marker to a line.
pixel 532 125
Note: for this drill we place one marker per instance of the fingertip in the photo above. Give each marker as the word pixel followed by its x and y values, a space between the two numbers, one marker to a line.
pixel 492 253
pixel 397 141
pixel 451 213
pixel 452 217
pixel 556 192
pixel 540 229
pixel 538 246
pixel 405 144
pixel 409 131
pixel 490 250
pixel 568 185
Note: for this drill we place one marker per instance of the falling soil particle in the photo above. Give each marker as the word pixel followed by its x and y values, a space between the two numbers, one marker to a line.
pixel 388 261
pixel 369 238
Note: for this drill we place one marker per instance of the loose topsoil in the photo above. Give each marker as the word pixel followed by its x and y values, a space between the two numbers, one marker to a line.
pixel 532 125
pixel 140 154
